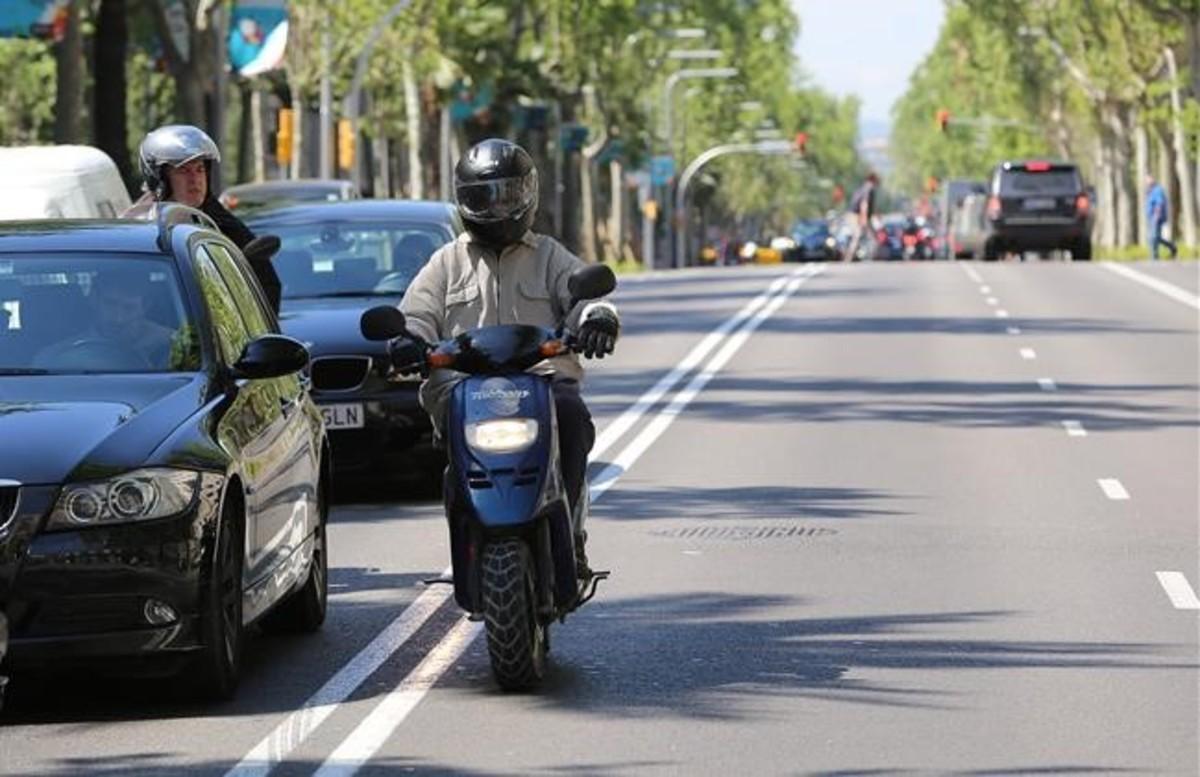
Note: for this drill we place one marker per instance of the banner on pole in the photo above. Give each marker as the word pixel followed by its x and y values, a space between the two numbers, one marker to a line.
pixel 43 19
pixel 258 31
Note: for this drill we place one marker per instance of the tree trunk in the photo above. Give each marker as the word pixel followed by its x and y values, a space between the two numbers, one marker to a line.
pixel 616 212
pixel 412 124
pixel 1187 189
pixel 256 128
pixel 245 132
pixel 68 103
pixel 1107 215
pixel 298 135
pixel 1119 167
pixel 109 107
pixel 193 67
pixel 1142 168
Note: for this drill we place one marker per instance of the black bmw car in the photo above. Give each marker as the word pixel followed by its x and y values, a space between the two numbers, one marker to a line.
pixel 338 259
pixel 164 473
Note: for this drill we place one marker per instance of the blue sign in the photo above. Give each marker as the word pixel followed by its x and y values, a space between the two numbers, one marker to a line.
pixel 662 170
pixel 257 36
pixel 469 102
pixel 33 19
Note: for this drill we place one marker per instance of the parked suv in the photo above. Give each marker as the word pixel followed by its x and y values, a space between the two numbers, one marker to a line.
pixel 1038 206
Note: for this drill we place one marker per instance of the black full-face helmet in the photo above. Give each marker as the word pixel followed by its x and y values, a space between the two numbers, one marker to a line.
pixel 173 145
pixel 496 187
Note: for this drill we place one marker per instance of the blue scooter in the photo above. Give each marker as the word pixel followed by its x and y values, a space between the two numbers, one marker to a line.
pixel 511 528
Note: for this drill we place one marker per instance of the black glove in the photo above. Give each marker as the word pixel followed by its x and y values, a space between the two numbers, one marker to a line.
pixel 597 334
pixel 407 356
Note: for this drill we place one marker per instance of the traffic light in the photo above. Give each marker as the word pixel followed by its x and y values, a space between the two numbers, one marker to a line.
pixel 943 119
pixel 801 142
pixel 345 144
pixel 284 136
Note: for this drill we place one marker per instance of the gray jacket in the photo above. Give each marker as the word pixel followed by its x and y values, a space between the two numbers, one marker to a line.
pixel 465 286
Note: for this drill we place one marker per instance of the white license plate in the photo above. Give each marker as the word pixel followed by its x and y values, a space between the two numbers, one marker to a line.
pixel 1039 203
pixel 344 416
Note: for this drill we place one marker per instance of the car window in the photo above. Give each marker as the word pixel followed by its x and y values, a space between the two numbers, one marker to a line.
pixel 1020 182
pixel 247 300
pixel 228 327
pixel 352 258
pixel 102 312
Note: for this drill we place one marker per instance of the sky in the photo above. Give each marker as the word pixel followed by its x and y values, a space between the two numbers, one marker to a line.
pixel 866 47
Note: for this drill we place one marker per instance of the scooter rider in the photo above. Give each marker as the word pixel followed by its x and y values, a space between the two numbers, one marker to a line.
pixel 176 163
pixel 501 272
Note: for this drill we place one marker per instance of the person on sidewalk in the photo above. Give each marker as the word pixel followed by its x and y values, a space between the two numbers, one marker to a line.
pixel 1157 215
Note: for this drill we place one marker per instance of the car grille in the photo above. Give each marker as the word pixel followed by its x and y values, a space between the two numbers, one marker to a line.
pixel 340 373
pixel 8 501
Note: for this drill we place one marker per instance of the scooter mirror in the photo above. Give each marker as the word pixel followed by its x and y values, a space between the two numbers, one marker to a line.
pixel 592 282
pixel 260 249
pixel 382 323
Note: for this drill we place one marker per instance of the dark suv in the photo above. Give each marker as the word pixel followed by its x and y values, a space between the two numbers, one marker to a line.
pixel 1038 206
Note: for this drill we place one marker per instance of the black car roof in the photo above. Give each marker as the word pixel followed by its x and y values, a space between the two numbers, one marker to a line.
pixel 424 210
pixel 302 184
pixel 123 235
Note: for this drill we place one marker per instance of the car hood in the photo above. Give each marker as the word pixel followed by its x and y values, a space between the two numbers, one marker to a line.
pixel 331 325
pixel 73 427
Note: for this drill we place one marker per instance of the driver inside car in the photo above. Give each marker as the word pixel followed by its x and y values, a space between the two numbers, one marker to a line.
pixel 119 334
pixel 501 272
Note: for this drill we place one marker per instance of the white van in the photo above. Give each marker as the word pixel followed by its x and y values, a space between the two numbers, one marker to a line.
pixel 59 182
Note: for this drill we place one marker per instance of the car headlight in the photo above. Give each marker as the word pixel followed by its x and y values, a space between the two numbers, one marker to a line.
pixel 141 495
pixel 505 435
pixel 830 242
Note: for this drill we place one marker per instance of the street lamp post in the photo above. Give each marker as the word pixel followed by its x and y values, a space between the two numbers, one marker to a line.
pixel 668 91
pixel 762 147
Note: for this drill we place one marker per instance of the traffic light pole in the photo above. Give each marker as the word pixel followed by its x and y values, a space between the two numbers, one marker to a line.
pixel 762 147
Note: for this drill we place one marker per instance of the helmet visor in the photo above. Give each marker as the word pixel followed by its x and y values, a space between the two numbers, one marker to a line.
pixel 497 200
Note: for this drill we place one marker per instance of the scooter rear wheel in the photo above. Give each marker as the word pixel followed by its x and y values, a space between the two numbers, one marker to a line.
pixel 516 640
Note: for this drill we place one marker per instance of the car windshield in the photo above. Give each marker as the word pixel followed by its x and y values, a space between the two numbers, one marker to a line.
pixel 341 259
pixel 1020 183
pixel 806 229
pixel 96 313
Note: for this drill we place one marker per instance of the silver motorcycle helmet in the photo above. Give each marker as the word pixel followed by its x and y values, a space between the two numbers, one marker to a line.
pixel 173 145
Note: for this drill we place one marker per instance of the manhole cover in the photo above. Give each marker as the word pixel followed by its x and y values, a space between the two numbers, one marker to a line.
pixel 744 532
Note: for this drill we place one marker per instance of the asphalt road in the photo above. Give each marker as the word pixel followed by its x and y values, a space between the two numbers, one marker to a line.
pixel 862 519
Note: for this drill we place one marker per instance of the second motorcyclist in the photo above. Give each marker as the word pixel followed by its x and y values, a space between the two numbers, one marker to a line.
pixel 501 272
pixel 176 162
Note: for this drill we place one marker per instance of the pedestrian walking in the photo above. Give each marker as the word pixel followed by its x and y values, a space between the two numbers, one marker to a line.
pixel 1157 215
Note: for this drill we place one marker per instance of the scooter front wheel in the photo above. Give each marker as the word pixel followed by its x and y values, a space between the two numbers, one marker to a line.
pixel 517 642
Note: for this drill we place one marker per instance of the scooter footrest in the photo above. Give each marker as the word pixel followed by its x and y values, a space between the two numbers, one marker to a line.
pixel 438 581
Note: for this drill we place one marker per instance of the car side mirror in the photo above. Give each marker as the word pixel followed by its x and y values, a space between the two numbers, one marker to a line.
pixel 591 282
pixel 383 322
pixel 271 356
pixel 262 248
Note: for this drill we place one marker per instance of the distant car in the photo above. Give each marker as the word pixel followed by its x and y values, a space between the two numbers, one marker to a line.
pixel 247 198
pixel 1038 206
pixel 60 182
pixel 163 471
pixel 969 231
pixel 337 260
pixel 812 241
pixel 889 239
pixel 953 192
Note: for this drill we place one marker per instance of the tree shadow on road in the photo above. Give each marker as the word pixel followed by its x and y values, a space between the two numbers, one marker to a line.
pixel 742 502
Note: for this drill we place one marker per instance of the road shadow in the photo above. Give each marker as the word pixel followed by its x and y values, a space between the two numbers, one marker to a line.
pixel 715 655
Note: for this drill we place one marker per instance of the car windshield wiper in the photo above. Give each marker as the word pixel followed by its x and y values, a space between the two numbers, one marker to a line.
pixel 22 371
pixel 335 294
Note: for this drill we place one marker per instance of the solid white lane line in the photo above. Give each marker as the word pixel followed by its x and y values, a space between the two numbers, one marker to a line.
pixel 1149 281
pixel 389 713
pixel 1014 330
pixel 608 476
pixel 1047 384
pixel 1179 590
pixel 1113 489
pixel 1028 353
pixel 1001 314
pixel 993 301
pixel 623 423
pixel 297 726
pixel 371 734
pixel 1074 429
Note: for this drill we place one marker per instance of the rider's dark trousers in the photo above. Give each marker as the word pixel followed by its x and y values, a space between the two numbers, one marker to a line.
pixel 576 434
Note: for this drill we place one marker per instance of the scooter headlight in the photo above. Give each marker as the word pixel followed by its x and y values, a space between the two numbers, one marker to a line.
pixel 504 435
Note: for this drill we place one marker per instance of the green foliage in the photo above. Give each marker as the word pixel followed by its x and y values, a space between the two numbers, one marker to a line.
pixel 26 92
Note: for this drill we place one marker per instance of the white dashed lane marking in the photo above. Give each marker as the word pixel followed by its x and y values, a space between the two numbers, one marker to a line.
pixel 1179 590
pixel 1047 384
pixel 1074 429
pixel 1028 353
pixel 1113 489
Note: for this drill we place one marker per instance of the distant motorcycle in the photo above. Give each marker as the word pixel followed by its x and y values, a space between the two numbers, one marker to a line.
pixel 511 528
